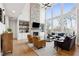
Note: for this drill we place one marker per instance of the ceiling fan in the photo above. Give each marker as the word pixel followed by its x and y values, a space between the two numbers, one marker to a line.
pixel 44 5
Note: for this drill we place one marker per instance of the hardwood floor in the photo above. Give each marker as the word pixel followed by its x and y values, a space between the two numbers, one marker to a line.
pixel 73 52
pixel 22 49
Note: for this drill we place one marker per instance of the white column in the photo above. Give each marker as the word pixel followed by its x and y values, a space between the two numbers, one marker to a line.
pixel 62 19
pixel 45 29
pixel 52 20
pixel 78 26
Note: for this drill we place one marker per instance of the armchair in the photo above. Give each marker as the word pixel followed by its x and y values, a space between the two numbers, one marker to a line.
pixel 68 43
pixel 30 38
pixel 39 43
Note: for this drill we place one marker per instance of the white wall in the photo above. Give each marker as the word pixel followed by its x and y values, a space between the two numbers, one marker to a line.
pixel 12 25
pixel 6 21
pixel 24 16
pixel 1 6
pixel 42 15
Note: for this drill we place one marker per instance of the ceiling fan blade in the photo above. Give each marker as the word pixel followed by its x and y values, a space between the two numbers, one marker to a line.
pixel 48 6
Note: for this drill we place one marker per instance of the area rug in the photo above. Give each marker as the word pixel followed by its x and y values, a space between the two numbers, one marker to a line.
pixel 48 50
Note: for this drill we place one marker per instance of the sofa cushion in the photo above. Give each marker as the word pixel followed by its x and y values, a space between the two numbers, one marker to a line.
pixel 53 33
pixel 61 34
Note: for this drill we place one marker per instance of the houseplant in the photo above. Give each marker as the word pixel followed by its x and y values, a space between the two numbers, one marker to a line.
pixel 9 30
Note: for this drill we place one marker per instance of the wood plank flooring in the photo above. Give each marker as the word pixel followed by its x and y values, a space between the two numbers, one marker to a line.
pixel 22 49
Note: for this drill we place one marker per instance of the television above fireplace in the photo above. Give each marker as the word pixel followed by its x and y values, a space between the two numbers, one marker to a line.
pixel 35 25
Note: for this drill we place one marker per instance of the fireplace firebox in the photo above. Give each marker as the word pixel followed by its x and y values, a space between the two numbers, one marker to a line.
pixel 35 33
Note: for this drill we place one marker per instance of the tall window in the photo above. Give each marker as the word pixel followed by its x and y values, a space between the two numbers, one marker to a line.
pixel 52 11
pixel 56 10
pixel 68 7
pixel 48 18
pixel 53 14
pixel 55 23
pixel 48 13
pixel 70 22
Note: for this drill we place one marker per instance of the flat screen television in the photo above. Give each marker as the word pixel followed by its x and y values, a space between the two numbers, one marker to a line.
pixel 35 25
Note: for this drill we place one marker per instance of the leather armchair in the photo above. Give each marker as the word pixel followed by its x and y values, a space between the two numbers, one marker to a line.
pixel 39 43
pixel 68 43
pixel 30 38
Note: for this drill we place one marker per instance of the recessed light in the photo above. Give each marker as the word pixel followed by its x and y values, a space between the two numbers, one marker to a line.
pixel 13 11
pixel 50 27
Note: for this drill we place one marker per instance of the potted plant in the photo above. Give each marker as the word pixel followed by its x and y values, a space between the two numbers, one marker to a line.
pixel 9 30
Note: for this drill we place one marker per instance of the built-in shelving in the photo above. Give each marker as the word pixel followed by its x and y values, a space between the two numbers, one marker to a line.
pixel 23 26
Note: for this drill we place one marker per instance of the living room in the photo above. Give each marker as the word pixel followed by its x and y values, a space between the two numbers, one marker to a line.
pixel 39 29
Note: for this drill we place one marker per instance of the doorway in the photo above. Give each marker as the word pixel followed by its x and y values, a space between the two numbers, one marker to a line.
pixel 13 26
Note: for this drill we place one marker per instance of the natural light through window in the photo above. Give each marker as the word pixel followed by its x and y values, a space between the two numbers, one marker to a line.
pixel 53 16
pixel 55 23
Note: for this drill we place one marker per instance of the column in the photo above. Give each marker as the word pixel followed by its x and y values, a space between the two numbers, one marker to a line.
pixel 62 19
pixel 78 26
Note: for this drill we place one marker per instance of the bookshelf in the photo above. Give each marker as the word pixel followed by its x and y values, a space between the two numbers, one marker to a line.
pixel 23 26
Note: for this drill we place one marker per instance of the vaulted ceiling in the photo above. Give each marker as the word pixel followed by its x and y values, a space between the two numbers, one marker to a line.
pixel 13 9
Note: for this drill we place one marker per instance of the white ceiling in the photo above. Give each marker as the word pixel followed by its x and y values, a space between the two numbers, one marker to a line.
pixel 13 9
